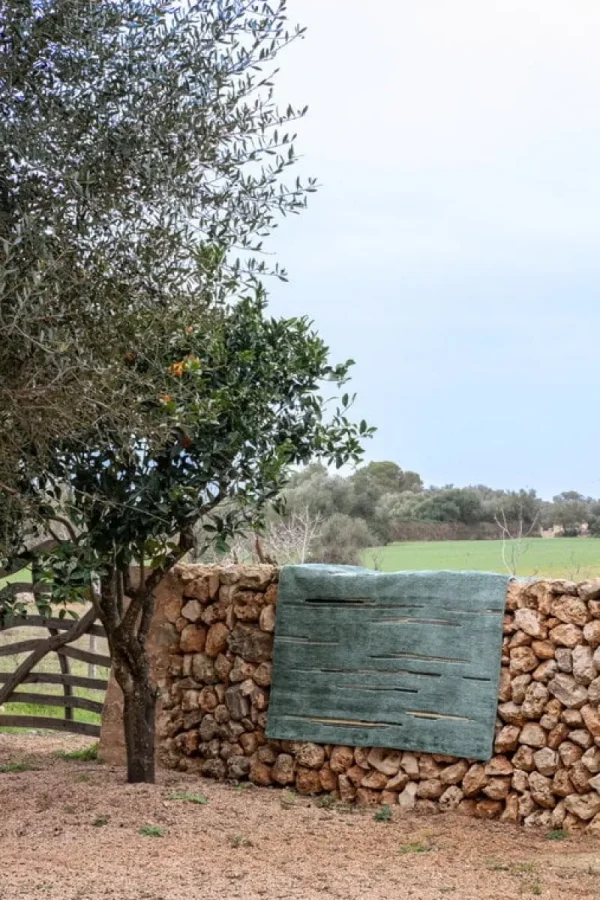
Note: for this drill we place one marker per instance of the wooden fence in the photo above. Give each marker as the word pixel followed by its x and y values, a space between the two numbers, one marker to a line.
pixel 62 633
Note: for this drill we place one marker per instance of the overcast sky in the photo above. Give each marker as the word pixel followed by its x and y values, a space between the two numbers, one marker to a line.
pixel 453 249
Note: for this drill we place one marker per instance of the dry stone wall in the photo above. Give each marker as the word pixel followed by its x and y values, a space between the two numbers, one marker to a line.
pixel 216 627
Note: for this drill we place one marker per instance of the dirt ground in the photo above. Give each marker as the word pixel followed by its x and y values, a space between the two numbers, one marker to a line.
pixel 69 830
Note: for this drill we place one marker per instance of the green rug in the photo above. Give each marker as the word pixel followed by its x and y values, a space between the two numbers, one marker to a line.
pixel 409 660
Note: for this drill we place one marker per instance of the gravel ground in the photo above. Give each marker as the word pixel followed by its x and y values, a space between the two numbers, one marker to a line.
pixel 70 831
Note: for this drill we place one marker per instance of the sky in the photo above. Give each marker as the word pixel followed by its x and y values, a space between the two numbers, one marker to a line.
pixel 453 247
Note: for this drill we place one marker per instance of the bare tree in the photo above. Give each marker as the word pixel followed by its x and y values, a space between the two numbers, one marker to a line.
pixel 516 536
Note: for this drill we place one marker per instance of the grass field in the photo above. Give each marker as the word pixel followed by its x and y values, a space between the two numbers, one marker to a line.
pixel 50 663
pixel 574 558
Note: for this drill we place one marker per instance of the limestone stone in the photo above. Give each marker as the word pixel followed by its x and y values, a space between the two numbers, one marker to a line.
pixel 541 790
pixel 361 757
pixel 584 806
pixel 591 718
pixel 251 643
pixel 207 699
pixel 545 671
pixel 583 666
pixel 549 722
pixel 410 764
pixel 558 814
pixel 430 789
pixel 238 767
pixel 215 612
pixel 594 608
pixel 213 768
pixel 308 781
pixel 558 734
pixel 385 761
pixel 249 742
pixel 569 753
pixel 520 639
pixel 520 781
pixel 193 639
pixel 312 756
pixel 591 633
pixel 546 761
pixel 565 688
pixel 475 780
pixel 203 669
pixel 589 590
pixel 488 809
pixel 216 639
pixel 355 774
pixel 564 659
pixel 581 737
pixel 192 610
pixel 240 670
pixel 499 766
pixel 527 804
pixel 561 783
pixel 580 777
pixel 522 659
pixel 595 783
pixel 511 809
pixel 237 704
pixel 594 690
pixel 375 780
pixel 519 687
pixel 328 778
pixel 223 667
pixel 541 818
pixel 572 718
pixel 260 773
pixel 543 649
pixel 388 798
pixel 505 686
pixel 506 739
pixel 267 619
pixel 531 622
pixel 247 605
pixel 523 759
pixel 591 760
pixel 408 797
pixel 566 636
pixel 428 768
pixel 571 610
pixel 341 759
pixel 467 808
pixel 511 713
pixel 536 697
pixel 365 797
pixel 455 773
pixel 263 674
pixel 451 798
pixel 497 788
pixel 398 782
pixel 533 735
pixel 346 789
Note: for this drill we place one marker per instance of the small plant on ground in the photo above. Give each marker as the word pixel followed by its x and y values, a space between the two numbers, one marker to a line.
pixel 87 754
pixel 557 834
pixel 99 821
pixel 151 831
pixel 288 799
pixel 384 814
pixel 416 847
pixel 326 802
pixel 243 786
pixel 238 840
pixel 188 797
pixel 13 767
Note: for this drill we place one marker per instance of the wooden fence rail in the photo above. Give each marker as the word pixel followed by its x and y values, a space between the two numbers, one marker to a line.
pixel 62 633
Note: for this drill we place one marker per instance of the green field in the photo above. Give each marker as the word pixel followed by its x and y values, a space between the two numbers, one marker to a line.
pixel 573 558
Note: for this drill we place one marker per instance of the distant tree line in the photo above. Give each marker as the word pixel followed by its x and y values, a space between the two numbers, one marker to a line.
pixel 331 518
